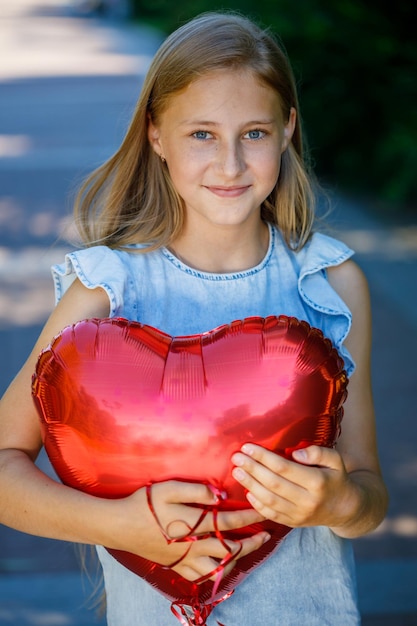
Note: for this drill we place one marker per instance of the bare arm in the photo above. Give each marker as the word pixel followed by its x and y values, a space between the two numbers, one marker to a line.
pixel 32 502
pixel 29 499
pixel 358 444
pixel 341 488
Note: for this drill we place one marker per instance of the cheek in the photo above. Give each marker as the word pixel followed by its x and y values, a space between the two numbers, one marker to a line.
pixel 185 164
pixel 183 172
pixel 269 166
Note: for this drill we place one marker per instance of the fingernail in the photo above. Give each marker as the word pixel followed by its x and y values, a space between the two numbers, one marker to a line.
pixel 238 473
pixel 266 538
pixel 247 449
pixel 300 455
pixel 251 499
pixel 238 459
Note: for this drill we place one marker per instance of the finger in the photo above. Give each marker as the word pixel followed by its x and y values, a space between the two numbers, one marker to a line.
pixel 205 569
pixel 273 496
pixel 193 493
pixel 320 456
pixel 253 543
pixel 280 477
pixel 246 546
pixel 310 455
pixel 236 550
pixel 187 572
pixel 292 493
pixel 232 520
pixel 273 493
pixel 205 558
pixel 255 460
pixel 186 517
pixel 183 519
pixel 251 454
pixel 227 520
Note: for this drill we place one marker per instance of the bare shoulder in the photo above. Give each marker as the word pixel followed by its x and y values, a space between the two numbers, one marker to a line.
pixel 349 281
pixel 78 303
pixel 19 423
pixel 351 284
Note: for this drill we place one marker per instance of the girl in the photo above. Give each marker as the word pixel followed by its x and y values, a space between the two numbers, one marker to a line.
pixel 204 216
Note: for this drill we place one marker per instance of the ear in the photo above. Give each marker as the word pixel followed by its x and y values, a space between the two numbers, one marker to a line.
pixel 289 129
pixel 154 137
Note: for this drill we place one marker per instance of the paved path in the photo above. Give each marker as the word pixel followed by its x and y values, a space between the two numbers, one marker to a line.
pixel 67 88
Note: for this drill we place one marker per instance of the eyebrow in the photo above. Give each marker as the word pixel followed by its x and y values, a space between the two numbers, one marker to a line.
pixel 266 122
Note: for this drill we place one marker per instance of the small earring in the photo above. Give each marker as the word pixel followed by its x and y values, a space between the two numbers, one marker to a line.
pixel 163 159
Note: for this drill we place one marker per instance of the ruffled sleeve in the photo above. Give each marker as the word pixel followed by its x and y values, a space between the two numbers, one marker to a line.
pixel 315 290
pixel 98 266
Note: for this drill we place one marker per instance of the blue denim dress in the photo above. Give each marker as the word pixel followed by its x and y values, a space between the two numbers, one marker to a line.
pixel 310 579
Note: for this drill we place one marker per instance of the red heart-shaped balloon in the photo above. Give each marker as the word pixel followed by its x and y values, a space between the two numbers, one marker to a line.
pixel 123 405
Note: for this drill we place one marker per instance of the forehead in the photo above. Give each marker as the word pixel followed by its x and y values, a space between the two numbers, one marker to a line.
pixel 217 93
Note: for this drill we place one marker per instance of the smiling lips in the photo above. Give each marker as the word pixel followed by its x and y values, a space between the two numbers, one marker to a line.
pixel 228 192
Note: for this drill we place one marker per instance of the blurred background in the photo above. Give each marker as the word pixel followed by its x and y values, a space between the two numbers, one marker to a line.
pixel 70 73
pixel 355 61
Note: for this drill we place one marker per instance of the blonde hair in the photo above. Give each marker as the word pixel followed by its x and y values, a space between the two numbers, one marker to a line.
pixel 131 199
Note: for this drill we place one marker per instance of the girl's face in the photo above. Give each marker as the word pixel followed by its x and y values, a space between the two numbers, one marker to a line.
pixel 222 138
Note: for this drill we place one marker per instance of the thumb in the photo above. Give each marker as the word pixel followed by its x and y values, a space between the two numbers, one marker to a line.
pixel 195 493
pixel 318 456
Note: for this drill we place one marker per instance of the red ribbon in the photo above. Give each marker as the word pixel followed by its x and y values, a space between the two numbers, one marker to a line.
pixel 196 614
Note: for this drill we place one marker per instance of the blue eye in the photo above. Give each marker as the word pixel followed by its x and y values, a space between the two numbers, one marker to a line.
pixel 255 134
pixel 202 134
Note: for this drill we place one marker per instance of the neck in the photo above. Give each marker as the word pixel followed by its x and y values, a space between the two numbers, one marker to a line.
pixel 223 251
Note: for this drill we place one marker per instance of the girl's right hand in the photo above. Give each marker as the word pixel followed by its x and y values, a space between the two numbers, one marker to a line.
pixel 145 538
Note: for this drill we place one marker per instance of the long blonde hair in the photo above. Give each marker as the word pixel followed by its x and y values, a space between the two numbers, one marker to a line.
pixel 131 199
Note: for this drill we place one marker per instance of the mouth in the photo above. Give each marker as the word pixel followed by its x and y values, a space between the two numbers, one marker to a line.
pixel 228 192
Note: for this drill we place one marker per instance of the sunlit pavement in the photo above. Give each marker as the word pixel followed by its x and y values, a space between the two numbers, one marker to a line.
pixel 68 84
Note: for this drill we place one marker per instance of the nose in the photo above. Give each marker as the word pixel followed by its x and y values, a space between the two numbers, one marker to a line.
pixel 231 158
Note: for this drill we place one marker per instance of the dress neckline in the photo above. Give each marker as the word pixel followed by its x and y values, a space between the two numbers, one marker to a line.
pixel 183 267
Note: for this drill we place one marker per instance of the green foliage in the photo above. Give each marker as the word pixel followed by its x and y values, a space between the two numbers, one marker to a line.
pixel 355 63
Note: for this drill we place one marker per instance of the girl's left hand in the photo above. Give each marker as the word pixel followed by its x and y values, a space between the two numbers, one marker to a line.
pixel 313 490
pixel 342 488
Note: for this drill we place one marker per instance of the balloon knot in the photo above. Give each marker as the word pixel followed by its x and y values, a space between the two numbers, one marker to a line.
pixel 196 614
